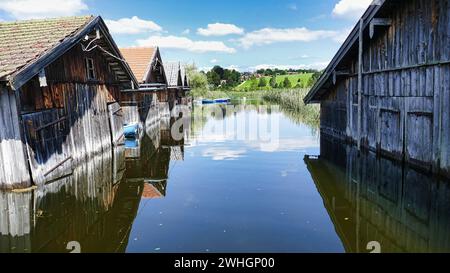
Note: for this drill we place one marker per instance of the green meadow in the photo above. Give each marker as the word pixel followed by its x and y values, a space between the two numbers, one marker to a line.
pixel 295 80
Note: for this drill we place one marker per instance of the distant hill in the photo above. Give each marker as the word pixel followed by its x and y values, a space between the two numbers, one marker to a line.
pixel 294 79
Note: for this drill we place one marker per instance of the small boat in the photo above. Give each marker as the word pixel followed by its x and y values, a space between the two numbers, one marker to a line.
pixel 208 101
pixel 222 100
pixel 131 130
pixel 131 143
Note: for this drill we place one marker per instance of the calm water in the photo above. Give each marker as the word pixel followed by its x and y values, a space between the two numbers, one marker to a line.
pixel 242 179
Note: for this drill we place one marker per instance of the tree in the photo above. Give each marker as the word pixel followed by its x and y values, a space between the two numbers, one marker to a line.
pixel 213 78
pixel 287 83
pixel 220 71
pixel 314 78
pixel 262 82
pixel 273 82
pixel 197 80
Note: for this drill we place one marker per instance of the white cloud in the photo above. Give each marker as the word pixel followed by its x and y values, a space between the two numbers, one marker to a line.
pixel 351 9
pixel 220 154
pixel 273 35
pixel 186 31
pixel 317 65
pixel 234 67
pixel 133 25
pixel 35 9
pixel 219 29
pixel 184 43
pixel 213 61
pixel 342 35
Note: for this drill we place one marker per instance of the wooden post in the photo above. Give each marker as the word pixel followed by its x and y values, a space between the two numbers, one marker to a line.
pixel 360 79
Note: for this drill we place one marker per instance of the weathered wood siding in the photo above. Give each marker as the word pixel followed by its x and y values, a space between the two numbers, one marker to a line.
pixel 136 106
pixel 13 164
pixel 73 117
pixel 406 83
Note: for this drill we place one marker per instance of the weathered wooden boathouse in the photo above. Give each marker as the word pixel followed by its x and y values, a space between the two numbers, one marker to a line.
pixel 147 65
pixel 388 87
pixel 60 84
pixel 184 94
pixel 174 82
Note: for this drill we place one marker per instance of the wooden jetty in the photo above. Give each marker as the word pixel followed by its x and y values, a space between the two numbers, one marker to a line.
pixel 60 89
pixel 388 87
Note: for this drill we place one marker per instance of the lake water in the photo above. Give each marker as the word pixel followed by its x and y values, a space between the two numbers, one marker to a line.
pixel 249 178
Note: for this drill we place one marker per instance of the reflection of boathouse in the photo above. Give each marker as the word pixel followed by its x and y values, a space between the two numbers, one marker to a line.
pixel 88 206
pixel 151 163
pixel 376 199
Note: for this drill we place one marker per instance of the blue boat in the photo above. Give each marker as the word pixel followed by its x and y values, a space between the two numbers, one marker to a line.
pixel 131 143
pixel 131 130
pixel 207 101
pixel 222 100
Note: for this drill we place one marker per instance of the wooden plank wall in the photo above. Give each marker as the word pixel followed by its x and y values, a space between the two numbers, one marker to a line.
pixel 13 163
pixel 73 117
pixel 406 83
pixel 58 138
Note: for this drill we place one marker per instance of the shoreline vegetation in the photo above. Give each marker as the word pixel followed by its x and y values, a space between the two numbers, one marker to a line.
pixel 280 90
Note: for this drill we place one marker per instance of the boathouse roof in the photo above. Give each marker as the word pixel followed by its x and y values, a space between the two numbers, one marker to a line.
pixel 26 47
pixel 140 60
pixel 348 50
pixel 172 70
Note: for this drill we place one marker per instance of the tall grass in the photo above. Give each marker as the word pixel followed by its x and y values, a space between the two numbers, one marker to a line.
pixel 291 100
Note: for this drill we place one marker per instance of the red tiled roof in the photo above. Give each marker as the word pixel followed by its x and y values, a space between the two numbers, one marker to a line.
pixel 151 192
pixel 139 59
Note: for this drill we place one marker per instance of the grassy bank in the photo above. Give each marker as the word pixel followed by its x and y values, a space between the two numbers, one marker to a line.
pixel 290 101
pixel 294 79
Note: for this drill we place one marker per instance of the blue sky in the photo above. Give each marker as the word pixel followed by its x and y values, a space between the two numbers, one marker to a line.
pixel 237 34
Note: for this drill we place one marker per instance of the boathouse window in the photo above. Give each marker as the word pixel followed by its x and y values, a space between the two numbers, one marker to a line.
pixel 90 70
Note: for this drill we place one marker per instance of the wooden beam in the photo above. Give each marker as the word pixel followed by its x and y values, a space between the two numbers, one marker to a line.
pixel 338 73
pixel 378 22
pixel 360 79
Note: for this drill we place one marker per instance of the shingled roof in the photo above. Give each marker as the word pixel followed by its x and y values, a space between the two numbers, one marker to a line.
pixel 139 59
pixel 22 42
pixel 172 70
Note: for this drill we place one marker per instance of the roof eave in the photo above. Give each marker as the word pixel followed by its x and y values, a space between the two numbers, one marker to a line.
pixel 342 52
pixel 25 74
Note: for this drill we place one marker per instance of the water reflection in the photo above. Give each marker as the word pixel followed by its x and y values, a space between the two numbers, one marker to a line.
pixel 375 199
pixel 96 204
pixel 90 206
pixel 217 192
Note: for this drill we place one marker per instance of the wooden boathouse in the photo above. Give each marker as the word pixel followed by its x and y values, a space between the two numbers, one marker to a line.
pixel 388 87
pixel 147 65
pixel 60 85
pixel 184 96
pixel 174 82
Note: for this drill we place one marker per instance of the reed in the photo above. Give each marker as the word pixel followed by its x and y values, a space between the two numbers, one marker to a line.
pixel 291 100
